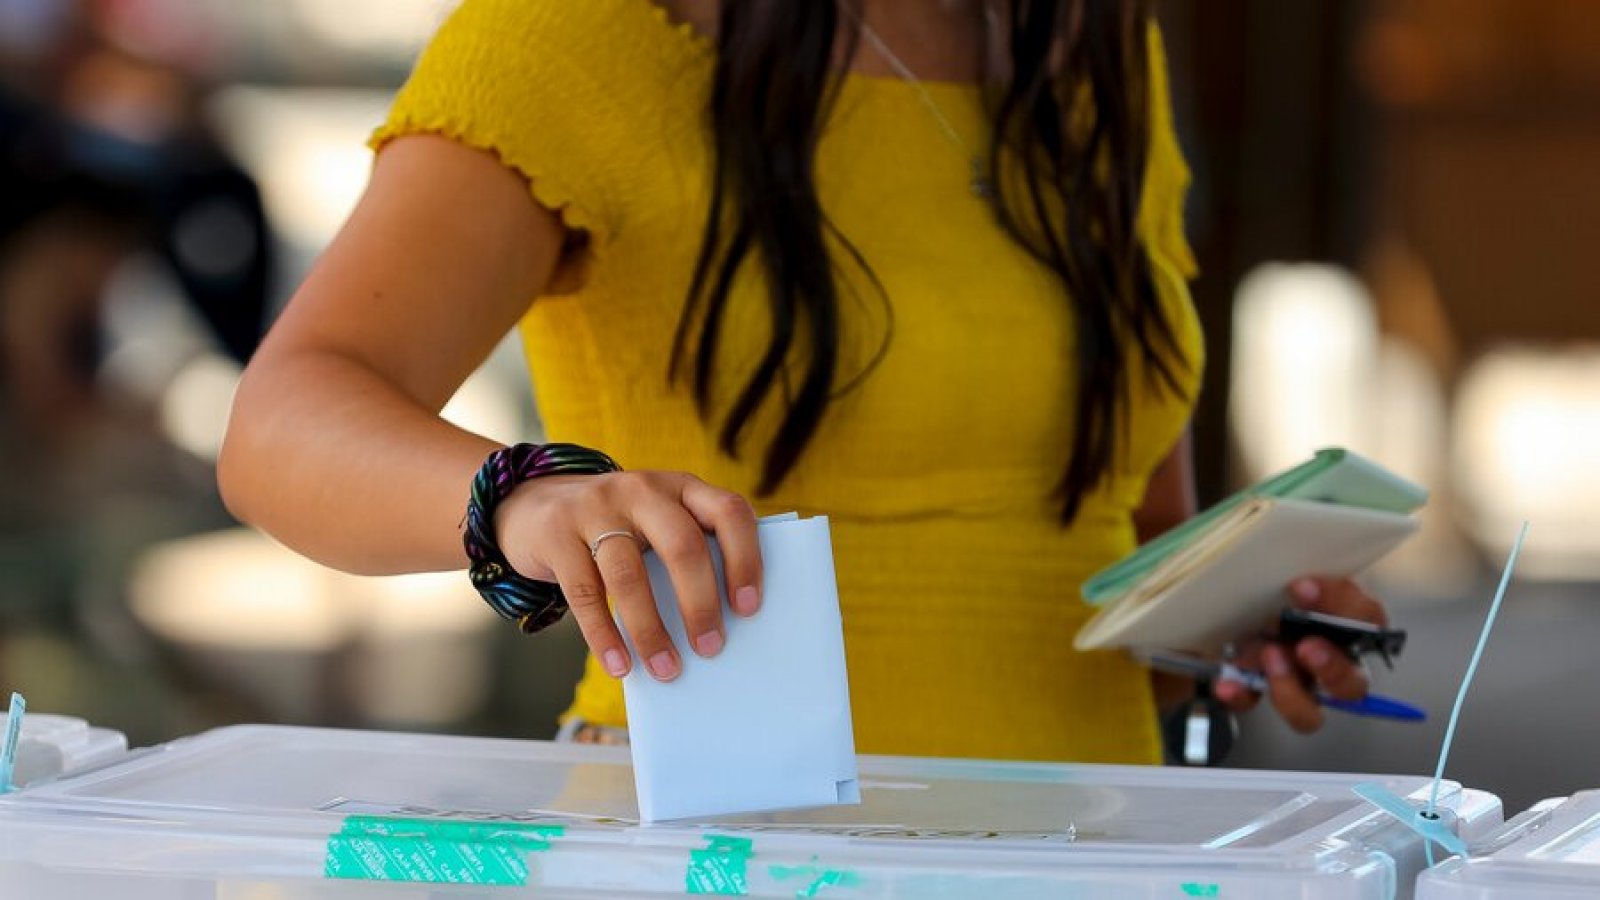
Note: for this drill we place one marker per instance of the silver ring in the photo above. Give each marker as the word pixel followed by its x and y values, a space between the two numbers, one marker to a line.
pixel 594 545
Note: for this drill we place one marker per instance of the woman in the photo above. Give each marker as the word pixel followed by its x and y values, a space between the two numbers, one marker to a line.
pixel 777 256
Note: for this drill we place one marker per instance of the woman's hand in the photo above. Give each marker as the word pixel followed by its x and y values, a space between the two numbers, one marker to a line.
pixel 546 526
pixel 1294 674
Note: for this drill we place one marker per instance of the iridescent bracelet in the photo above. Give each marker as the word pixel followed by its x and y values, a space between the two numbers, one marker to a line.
pixel 533 605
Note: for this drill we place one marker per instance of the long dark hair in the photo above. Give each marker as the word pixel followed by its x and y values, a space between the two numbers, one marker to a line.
pixel 1071 135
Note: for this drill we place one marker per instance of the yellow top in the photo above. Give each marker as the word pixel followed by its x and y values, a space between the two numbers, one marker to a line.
pixel 960 590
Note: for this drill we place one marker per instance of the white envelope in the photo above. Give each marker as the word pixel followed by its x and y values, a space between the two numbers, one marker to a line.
pixel 766 724
pixel 1233 579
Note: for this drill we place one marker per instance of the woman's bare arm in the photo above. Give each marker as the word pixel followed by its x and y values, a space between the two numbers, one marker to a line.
pixel 1169 500
pixel 335 446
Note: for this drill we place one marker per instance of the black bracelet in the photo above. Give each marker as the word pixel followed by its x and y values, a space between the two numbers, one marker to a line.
pixel 533 605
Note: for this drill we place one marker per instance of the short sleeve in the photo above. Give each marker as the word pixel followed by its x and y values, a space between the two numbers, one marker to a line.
pixel 1161 224
pixel 533 82
pixel 1166 175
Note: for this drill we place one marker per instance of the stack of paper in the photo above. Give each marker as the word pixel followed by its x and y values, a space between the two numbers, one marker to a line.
pixel 1224 573
pixel 766 724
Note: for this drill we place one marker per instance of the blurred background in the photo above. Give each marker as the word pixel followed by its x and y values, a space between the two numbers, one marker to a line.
pixel 1396 208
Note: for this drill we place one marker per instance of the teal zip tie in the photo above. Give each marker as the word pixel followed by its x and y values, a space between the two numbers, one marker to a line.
pixel 1472 667
pixel 1466 680
pixel 1429 824
pixel 8 750
pixel 1427 821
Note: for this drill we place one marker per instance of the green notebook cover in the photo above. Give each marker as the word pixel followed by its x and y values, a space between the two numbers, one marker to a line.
pixel 1333 475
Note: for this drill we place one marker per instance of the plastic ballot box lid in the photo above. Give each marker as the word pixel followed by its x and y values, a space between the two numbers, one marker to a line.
pixel 296 813
pixel 50 746
pixel 1551 851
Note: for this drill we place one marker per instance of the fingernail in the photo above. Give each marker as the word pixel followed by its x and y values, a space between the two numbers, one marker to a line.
pixel 1316 654
pixel 746 600
pixel 1276 663
pixel 708 644
pixel 1306 590
pixel 663 666
pixel 616 663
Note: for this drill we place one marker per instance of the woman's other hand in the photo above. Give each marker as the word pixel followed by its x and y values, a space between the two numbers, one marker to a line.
pixel 547 527
pixel 1295 674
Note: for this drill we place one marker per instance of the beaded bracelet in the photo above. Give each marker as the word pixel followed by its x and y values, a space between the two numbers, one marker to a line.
pixel 533 605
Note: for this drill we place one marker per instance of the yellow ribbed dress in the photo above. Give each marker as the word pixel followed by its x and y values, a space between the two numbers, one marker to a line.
pixel 959 588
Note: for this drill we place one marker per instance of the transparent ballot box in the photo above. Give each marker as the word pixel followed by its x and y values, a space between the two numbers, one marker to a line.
pixel 50 746
pixel 1551 852
pixel 274 813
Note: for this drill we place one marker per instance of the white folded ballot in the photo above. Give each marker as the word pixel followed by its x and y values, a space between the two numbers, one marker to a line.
pixel 766 724
pixel 1225 573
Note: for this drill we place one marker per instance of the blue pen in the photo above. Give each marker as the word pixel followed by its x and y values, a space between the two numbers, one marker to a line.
pixel 1372 705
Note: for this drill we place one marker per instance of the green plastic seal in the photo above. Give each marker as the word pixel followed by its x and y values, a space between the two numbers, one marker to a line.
pixel 435 851
pixel 721 868
pixel 817 879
